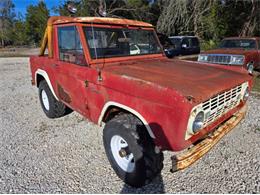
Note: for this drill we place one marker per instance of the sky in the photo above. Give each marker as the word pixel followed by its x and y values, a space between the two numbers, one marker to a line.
pixel 21 5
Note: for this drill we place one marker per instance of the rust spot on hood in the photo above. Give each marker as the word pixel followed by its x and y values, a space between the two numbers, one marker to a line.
pixel 189 79
pixel 190 98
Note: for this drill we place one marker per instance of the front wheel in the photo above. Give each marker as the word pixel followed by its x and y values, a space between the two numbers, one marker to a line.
pixel 130 150
pixel 51 107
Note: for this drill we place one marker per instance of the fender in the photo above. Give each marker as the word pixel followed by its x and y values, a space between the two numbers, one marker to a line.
pixel 134 112
pixel 46 77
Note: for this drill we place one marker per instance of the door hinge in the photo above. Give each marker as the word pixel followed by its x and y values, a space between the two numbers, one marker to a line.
pixel 99 76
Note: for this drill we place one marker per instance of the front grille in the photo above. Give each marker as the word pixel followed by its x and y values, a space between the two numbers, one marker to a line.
pixel 221 104
pixel 219 58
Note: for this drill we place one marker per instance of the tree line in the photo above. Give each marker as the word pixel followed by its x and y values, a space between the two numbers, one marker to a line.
pixel 210 20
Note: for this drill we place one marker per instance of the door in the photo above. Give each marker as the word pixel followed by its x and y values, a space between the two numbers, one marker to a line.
pixel 71 70
pixel 195 45
pixel 186 46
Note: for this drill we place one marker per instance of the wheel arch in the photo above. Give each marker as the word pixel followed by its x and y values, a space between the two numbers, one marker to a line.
pixel 38 79
pixel 43 75
pixel 110 108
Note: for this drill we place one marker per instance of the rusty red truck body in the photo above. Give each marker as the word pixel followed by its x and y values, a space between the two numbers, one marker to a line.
pixel 177 104
pixel 241 52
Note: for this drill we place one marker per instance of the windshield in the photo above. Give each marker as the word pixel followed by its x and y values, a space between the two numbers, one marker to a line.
pixel 118 42
pixel 238 43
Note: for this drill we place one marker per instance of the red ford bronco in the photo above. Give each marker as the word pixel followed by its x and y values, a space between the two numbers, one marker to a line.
pixel 235 51
pixel 114 73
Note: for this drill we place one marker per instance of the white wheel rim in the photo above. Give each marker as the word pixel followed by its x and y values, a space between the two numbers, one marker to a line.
pixel 126 163
pixel 45 100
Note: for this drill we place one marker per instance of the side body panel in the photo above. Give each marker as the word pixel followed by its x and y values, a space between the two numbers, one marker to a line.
pixel 168 121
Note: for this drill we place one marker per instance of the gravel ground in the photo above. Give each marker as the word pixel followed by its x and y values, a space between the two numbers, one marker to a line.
pixel 66 155
pixel 18 51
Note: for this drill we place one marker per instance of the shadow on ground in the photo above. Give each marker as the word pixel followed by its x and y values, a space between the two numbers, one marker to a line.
pixel 156 187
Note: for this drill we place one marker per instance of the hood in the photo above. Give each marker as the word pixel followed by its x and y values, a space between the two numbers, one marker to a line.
pixel 235 51
pixel 190 79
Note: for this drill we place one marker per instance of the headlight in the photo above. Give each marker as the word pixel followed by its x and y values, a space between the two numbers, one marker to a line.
pixel 237 60
pixel 246 94
pixel 202 58
pixel 198 122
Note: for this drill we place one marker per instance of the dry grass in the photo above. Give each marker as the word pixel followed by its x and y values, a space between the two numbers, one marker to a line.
pixel 8 55
pixel 18 52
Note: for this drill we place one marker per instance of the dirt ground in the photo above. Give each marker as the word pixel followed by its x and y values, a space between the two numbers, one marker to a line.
pixel 66 155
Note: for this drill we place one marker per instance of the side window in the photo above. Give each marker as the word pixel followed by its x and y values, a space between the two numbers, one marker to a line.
pixel 70 48
pixel 259 44
pixel 187 42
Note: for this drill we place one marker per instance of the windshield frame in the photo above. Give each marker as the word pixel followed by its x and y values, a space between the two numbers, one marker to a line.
pixel 123 57
pixel 238 39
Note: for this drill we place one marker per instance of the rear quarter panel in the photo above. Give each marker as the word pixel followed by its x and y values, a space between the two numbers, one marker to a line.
pixel 43 63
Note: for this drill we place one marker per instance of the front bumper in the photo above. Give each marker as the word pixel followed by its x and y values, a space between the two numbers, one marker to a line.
pixel 193 154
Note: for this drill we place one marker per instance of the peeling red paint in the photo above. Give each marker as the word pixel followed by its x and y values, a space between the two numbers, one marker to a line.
pixel 161 90
pixel 63 95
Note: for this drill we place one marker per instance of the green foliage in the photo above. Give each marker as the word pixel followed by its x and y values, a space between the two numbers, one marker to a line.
pixel 207 45
pixel 211 20
pixel 141 10
pixel 35 23
pixel 18 34
pixel 215 23
pixel 131 9
pixel 6 18
pixel 256 85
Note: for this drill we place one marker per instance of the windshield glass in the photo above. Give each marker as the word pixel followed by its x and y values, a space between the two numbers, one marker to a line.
pixel 118 42
pixel 238 43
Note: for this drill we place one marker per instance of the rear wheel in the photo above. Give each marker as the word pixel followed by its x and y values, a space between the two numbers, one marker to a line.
pixel 51 107
pixel 131 151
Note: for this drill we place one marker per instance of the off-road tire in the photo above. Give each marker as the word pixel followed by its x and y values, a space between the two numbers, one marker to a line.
pixel 148 163
pixel 56 108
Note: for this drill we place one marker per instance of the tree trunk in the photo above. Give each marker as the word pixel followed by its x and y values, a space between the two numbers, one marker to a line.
pixel 250 24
